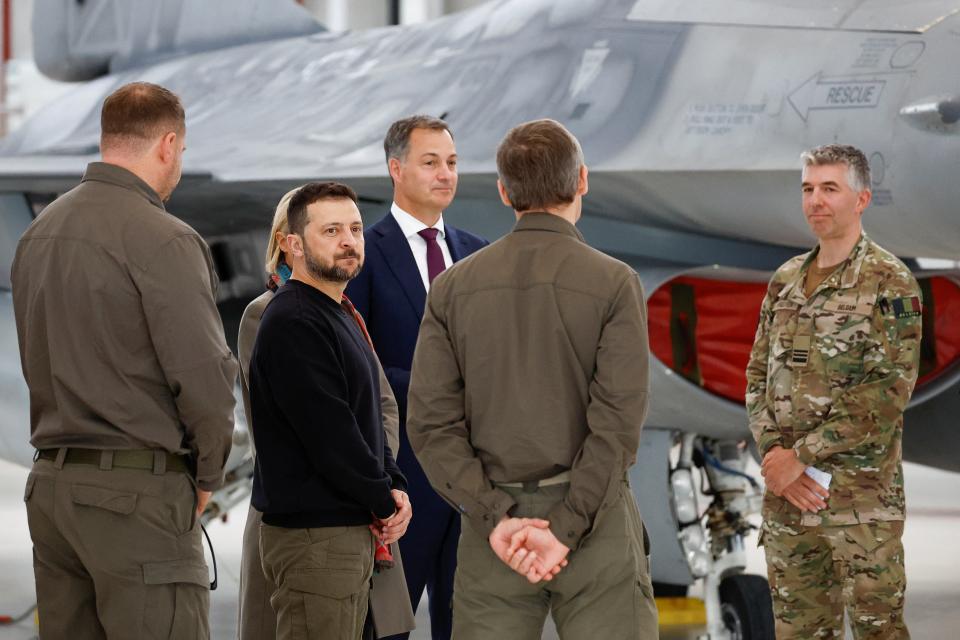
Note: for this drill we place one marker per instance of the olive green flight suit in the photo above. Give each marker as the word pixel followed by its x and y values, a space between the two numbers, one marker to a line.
pixel 131 406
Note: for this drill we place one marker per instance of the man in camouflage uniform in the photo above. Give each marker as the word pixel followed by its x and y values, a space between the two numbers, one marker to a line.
pixel 832 368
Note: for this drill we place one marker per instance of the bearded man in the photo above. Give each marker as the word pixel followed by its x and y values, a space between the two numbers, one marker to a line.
pixel 325 480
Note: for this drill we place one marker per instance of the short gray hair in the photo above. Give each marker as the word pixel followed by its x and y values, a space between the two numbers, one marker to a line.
pixel 858 168
pixel 397 141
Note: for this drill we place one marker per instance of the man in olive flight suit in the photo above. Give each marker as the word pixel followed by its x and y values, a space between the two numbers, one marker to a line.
pixel 527 396
pixel 131 387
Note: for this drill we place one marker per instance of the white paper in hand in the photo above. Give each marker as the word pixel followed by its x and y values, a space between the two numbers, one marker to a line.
pixel 820 477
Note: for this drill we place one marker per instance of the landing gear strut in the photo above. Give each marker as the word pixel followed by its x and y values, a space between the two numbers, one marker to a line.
pixel 738 605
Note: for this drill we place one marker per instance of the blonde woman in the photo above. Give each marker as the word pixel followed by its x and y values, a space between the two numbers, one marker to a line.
pixel 390 608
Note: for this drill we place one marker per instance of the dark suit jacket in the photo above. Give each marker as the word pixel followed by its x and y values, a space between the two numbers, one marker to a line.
pixel 389 294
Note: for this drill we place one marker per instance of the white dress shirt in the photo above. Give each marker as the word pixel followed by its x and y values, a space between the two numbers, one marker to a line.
pixel 411 228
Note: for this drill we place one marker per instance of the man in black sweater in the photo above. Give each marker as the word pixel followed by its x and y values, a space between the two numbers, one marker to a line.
pixel 325 480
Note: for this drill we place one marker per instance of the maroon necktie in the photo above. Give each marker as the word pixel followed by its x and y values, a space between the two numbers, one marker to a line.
pixel 435 264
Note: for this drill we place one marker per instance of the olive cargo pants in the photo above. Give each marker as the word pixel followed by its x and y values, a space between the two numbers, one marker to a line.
pixel 604 592
pixel 116 553
pixel 389 600
pixel 322 577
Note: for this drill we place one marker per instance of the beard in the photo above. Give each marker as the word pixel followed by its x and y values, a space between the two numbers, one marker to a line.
pixel 331 272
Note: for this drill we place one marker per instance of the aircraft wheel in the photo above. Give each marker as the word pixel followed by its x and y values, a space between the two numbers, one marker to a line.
pixel 746 607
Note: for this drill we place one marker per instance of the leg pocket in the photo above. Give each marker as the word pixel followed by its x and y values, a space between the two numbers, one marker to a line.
pixel 872 536
pixel 333 601
pixel 178 599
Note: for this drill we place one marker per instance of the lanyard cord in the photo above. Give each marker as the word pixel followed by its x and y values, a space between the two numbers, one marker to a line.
pixel 213 556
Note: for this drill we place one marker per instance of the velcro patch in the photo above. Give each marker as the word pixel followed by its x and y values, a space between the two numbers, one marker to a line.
pixel 785 305
pixel 801 351
pixel 909 307
pixel 848 306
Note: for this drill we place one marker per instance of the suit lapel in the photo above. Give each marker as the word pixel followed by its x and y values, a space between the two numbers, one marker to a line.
pixel 453 243
pixel 396 251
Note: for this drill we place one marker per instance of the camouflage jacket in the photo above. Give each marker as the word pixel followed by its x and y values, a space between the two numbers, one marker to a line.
pixel 830 375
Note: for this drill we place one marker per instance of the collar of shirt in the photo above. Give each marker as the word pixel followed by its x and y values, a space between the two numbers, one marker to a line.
pixel 847 274
pixel 543 221
pixel 411 226
pixel 116 175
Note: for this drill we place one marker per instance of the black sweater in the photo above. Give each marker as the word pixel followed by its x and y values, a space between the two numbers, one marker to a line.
pixel 322 459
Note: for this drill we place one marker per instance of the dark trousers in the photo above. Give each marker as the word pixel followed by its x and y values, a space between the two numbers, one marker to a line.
pixel 429 547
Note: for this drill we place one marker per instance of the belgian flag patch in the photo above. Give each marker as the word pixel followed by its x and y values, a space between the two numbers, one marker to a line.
pixel 902 307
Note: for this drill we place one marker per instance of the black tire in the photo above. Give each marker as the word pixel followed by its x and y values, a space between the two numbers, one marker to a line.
pixel 746 607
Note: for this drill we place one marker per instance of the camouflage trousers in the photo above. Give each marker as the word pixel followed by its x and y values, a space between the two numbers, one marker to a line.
pixel 816 573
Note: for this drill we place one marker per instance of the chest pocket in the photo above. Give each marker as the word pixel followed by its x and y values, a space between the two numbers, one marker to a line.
pixel 841 326
pixel 782 329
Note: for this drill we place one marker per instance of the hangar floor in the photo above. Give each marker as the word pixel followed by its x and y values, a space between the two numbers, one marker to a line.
pixel 933 561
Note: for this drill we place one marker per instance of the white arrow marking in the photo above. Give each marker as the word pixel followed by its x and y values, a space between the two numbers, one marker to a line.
pixel 835 93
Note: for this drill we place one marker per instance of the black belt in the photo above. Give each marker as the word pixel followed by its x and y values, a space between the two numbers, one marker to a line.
pixel 145 459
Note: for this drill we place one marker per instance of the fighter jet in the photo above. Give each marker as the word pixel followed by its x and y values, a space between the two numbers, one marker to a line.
pixel 692 115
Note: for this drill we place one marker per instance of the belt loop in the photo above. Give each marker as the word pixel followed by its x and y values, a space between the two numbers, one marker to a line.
pixel 106 460
pixel 159 462
pixel 61 457
pixel 531 486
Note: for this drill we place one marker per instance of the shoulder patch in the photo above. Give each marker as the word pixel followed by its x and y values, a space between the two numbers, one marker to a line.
pixel 908 307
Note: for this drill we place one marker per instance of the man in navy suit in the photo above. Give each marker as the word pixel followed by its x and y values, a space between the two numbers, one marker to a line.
pixel 406 250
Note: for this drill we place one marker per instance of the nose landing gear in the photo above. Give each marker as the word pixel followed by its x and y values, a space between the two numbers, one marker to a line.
pixel 738 605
